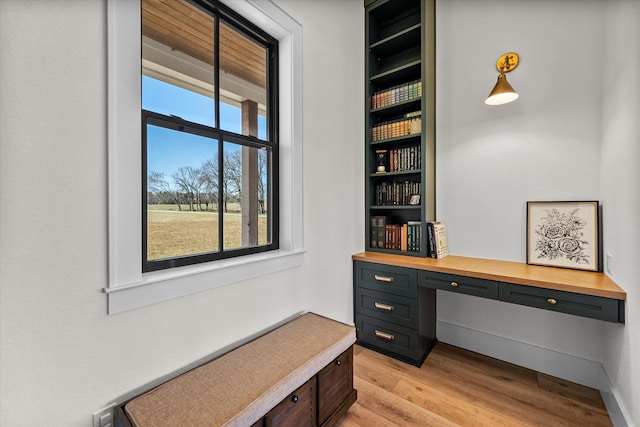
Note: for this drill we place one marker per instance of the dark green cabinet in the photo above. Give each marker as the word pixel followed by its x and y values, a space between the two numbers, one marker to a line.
pixel 399 124
pixel 392 314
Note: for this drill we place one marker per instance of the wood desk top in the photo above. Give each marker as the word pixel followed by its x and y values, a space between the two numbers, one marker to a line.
pixel 561 279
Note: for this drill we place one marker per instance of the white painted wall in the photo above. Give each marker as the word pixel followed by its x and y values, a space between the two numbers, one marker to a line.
pixel 556 142
pixel 492 159
pixel 621 193
pixel 61 356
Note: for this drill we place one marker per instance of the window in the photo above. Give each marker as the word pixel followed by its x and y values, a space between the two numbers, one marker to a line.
pixel 131 287
pixel 209 135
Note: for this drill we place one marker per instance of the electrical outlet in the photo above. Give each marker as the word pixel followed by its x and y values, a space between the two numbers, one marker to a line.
pixel 609 264
pixel 104 417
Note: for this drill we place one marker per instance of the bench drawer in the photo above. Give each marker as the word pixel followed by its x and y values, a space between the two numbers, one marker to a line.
pixel 460 284
pixel 298 409
pixel 335 386
pixel 565 302
pixel 388 307
pixel 385 278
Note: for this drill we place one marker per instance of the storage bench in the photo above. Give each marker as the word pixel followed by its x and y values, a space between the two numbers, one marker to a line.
pixel 301 373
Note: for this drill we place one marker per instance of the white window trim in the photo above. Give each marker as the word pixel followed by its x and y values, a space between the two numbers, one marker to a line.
pixel 128 287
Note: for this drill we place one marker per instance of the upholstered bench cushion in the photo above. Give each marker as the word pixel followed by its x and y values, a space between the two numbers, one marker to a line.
pixel 241 386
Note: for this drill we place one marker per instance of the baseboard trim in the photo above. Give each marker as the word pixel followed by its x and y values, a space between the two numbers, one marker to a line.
pixel 571 368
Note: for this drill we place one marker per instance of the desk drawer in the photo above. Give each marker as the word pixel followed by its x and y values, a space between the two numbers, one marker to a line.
pixel 385 278
pixel 565 302
pixel 460 284
pixel 387 307
pixel 388 338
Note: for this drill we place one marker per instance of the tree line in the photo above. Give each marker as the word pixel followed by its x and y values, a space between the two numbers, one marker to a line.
pixel 198 188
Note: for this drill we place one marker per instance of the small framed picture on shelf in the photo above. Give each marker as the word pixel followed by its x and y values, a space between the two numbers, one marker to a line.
pixel 381 161
pixel 563 234
pixel 415 199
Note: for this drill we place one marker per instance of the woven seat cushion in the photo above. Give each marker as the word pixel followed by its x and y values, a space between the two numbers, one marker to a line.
pixel 243 385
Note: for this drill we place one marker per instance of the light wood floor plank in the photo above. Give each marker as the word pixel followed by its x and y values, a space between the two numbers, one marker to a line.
pixel 459 411
pixel 396 410
pixel 458 387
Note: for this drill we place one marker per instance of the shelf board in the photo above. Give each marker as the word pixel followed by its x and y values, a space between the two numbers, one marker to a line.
pixel 394 207
pixel 398 41
pixel 399 252
pixel 404 72
pixel 405 138
pixel 397 173
pixel 397 108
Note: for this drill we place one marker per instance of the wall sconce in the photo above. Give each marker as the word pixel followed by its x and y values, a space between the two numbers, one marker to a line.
pixel 502 92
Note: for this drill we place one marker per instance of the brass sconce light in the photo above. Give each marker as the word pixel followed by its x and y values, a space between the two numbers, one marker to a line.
pixel 502 92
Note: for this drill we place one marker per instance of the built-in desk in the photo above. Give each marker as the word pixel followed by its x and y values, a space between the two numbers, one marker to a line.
pixel 394 295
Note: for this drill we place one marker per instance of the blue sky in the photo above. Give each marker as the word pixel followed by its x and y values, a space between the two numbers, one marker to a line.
pixel 168 150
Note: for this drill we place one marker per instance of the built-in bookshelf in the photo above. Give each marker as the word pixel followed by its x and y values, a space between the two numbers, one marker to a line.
pixel 399 121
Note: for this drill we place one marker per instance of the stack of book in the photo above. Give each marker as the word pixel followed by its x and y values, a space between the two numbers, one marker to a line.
pixel 408 124
pixel 395 193
pixel 405 159
pixel 396 94
pixel 401 237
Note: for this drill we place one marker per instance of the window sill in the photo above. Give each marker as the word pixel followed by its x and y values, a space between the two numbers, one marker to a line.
pixel 197 278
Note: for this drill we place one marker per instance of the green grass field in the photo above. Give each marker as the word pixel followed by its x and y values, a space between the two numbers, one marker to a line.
pixel 172 233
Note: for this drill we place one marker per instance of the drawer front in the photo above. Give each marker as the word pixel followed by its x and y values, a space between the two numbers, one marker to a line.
pixel 335 385
pixel 385 278
pixel 388 337
pixel 298 409
pixel 565 302
pixel 388 307
pixel 460 284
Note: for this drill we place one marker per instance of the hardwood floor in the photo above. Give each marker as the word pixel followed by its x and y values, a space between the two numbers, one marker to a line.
pixel 456 387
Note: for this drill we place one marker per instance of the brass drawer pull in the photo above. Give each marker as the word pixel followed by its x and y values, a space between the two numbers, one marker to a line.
pixel 384 335
pixel 552 301
pixel 382 306
pixel 454 284
pixel 383 278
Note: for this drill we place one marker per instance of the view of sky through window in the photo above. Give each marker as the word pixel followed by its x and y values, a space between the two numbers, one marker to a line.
pixel 165 98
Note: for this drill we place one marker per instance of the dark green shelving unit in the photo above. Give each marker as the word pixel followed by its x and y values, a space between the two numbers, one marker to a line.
pixel 400 50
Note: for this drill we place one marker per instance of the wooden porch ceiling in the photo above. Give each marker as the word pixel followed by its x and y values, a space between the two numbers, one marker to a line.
pixel 187 29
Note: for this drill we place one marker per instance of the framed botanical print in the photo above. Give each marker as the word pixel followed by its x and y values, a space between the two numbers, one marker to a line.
pixel 563 234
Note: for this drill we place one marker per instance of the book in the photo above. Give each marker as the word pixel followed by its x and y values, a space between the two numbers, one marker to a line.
pixel 431 245
pixel 404 242
pixel 373 231
pixel 415 231
pixel 381 223
pixel 440 240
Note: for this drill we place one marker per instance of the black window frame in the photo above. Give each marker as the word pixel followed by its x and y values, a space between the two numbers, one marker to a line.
pixel 220 12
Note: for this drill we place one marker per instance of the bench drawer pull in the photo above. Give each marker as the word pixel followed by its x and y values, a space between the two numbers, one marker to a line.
pixel 380 278
pixel 552 301
pixel 294 399
pixel 454 284
pixel 382 306
pixel 384 335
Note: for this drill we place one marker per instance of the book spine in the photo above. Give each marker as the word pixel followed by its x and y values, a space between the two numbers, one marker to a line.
pixel 373 231
pixel 431 248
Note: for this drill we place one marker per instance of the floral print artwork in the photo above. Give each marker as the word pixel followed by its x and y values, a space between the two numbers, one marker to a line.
pixel 561 235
